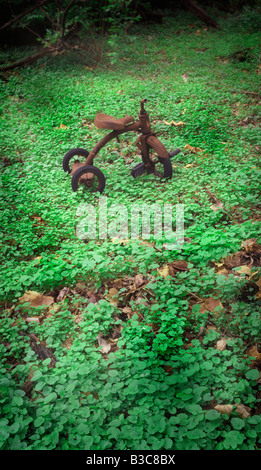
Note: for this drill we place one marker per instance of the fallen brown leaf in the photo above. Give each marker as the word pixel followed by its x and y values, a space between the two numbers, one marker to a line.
pixel 62 294
pixel 221 344
pixel 141 300
pixel 244 270
pixel 177 124
pixel 128 311
pixel 210 305
pixel 33 319
pixel 250 245
pixel 139 281
pixel 118 283
pixel 77 318
pixel 220 269
pixel 164 271
pixel 171 269
pixel 38 220
pixel 253 352
pixel 200 332
pixel 254 274
pixel 120 241
pixel 36 299
pixel 216 207
pixel 232 261
pixel 192 149
pixel 54 308
pixel 179 265
pixel 112 295
pixel 105 347
pixel 249 255
pixel 242 410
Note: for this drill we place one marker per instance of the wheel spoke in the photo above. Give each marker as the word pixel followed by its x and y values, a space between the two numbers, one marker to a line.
pixel 159 163
pixel 157 173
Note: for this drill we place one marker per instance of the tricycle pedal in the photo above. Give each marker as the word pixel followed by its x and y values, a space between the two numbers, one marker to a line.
pixel 138 170
pixel 175 152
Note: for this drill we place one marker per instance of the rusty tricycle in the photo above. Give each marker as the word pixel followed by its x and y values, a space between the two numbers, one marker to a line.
pixel 153 153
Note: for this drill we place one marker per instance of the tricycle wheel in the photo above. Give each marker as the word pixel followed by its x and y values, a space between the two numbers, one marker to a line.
pixel 89 176
pixel 167 167
pixel 156 165
pixel 81 155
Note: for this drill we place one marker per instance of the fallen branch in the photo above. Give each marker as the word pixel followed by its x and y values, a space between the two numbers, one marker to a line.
pixel 255 93
pixel 43 353
pixel 217 204
pixel 27 61
pixel 40 349
pixel 234 54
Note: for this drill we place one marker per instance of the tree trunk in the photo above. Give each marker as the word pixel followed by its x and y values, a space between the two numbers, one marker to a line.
pixel 202 14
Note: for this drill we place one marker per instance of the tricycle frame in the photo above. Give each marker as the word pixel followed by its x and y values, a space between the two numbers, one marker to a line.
pixel 146 140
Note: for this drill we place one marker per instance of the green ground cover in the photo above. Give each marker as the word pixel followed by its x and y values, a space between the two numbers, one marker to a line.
pixel 161 386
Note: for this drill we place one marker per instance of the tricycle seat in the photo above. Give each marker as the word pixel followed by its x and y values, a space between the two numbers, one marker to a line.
pixel 104 121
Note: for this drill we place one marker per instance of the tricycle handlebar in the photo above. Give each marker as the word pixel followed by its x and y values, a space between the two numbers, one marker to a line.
pixel 142 110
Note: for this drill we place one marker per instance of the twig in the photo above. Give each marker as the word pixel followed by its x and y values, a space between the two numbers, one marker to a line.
pixel 64 16
pixel 17 18
pixel 196 297
pixel 195 199
pixel 255 93
pixel 48 17
pixel 32 31
pixel 11 8
pixel 234 53
pixel 212 196
pixel 157 249
pixel 218 202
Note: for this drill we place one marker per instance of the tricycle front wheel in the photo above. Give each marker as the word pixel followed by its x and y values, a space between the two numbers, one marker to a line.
pixel 89 176
pixel 158 164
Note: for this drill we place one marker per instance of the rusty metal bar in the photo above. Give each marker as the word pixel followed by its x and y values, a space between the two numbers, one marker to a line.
pixel 112 135
pixel 159 148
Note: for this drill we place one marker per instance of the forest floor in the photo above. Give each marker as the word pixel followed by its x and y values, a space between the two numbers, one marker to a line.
pixel 120 343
